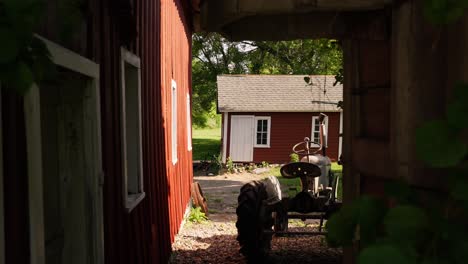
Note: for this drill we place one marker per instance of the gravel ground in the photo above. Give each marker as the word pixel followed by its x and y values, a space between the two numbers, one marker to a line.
pixel 214 241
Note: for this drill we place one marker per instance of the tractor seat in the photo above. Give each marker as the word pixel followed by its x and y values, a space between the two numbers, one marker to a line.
pixel 300 169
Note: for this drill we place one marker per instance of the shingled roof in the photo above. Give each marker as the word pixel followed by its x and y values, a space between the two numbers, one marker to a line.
pixel 278 93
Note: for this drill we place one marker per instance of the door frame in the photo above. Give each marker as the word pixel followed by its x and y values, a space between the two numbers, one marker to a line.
pixel 92 111
pixel 2 221
pixel 252 138
pixel 225 129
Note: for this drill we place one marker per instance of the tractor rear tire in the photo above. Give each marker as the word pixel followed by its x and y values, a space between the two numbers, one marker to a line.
pixel 253 218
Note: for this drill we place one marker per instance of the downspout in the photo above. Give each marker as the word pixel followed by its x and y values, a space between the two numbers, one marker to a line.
pixel 322 118
pixel 225 127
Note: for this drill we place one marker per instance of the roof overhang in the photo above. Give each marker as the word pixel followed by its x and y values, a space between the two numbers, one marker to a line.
pixel 285 19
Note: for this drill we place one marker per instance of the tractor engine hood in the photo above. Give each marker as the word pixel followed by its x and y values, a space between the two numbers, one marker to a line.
pixel 280 19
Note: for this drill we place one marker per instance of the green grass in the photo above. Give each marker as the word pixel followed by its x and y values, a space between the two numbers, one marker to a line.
pixel 295 183
pixel 206 143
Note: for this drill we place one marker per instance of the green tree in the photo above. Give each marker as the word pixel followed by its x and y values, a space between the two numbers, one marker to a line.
pixel 214 55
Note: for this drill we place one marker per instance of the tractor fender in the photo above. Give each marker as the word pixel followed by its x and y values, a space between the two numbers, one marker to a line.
pixel 273 189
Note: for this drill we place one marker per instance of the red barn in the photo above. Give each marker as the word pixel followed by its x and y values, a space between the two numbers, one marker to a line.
pixel 264 116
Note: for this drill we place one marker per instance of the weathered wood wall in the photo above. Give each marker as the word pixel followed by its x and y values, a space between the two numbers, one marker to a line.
pixel 417 65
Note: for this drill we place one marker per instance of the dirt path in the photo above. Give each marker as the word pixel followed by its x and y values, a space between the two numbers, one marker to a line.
pixel 221 191
pixel 214 241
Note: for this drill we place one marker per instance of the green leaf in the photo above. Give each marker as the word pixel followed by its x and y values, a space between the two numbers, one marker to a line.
pixel 457 110
pixel 23 17
pixel 459 252
pixel 444 11
pixel 384 254
pixel 9 50
pixel 459 187
pixel 341 226
pixel 438 145
pixel 18 78
pixel 371 214
pixel 399 190
pixel 406 223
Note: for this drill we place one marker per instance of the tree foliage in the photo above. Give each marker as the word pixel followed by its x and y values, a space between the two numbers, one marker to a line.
pixel 214 55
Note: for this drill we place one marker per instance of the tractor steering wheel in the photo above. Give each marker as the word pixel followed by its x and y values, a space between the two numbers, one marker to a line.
pixel 305 147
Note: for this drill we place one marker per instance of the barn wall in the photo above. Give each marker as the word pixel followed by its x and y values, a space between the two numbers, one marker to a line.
pixel 287 129
pixel 176 64
pixel 163 44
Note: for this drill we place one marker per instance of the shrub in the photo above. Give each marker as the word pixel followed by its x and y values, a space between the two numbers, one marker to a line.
pixel 196 215
pixel 230 165
pixel 294 157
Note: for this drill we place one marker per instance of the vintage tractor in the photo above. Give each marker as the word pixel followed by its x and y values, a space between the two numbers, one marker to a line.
pixel 262 211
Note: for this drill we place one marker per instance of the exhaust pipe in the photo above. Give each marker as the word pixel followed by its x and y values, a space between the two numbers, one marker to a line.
pixel 321 119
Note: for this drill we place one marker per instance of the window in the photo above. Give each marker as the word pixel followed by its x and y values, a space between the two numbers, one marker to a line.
pixel 174 121
pixel 262 129
pixel 189 124
pixel 131 130
pixel 315 136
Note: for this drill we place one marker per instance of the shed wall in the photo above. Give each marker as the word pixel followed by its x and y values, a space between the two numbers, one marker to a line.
pixel 287 129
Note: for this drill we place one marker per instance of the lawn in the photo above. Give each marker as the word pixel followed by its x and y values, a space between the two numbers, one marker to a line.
pixel 206 143
pixel 293 186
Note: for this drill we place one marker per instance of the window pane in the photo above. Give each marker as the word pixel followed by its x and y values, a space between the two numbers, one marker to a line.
pixel 264 141
pixel 265 125
pixel 316 137
pixel 259 138
pixel 259 125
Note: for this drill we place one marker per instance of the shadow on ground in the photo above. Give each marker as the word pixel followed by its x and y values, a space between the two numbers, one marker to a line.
pixel 291 250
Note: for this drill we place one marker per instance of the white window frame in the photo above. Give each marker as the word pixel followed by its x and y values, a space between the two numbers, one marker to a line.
pixel 174 121
pixel 189 124
pixel 268 118
pixel 79 64
pixel 131 200
pixel 325 132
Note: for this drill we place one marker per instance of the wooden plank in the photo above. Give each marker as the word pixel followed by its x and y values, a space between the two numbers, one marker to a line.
pixel 71 60
pixel 351 182
pixel 93 158
pixel 32 119
pixel 372 157
pixel 2 221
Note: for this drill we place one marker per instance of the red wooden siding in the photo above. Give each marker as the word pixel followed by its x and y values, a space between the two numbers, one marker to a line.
pixel 163 45
pixel 287 129
pixel 176 39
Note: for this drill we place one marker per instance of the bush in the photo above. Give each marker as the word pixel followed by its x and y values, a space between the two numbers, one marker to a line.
pixel 294 157
pixel 216 164
pixel 230 165
pixel 196 215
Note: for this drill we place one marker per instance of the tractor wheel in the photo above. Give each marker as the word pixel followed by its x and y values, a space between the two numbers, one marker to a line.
pixel 253 218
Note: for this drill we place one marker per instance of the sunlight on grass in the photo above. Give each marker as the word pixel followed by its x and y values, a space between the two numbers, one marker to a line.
pixel 206 143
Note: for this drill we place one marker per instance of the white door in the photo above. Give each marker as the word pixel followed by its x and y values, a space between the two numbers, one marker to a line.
pixel 241 145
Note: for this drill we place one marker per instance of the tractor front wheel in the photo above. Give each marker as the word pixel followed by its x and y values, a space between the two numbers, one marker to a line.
pixel 253 219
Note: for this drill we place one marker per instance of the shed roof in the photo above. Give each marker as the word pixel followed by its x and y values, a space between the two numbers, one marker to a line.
pixel 278 93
